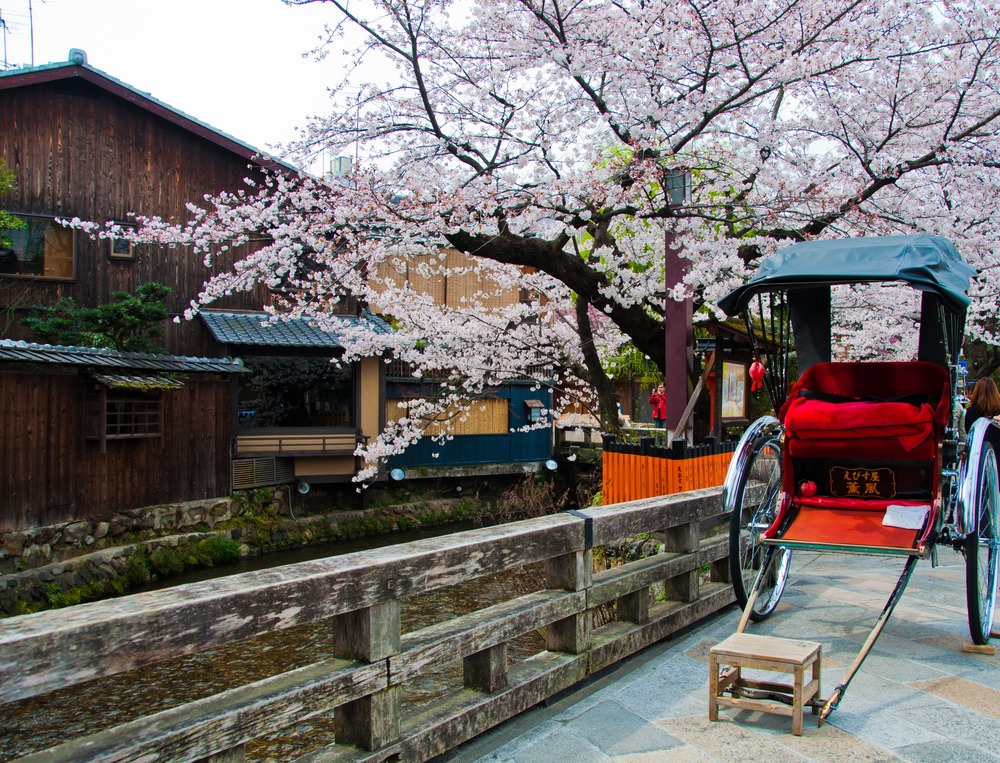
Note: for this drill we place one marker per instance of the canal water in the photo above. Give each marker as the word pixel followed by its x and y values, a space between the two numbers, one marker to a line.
pixel 34 724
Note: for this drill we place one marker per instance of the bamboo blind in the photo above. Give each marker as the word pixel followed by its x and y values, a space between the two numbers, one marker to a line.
pixel 450 289
pixel 486 416
pixel 470 284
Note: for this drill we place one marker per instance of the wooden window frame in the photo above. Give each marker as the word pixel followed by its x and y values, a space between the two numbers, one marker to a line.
pixel 42 276
pixel 135 418
pixel 114 256
pixel 535 408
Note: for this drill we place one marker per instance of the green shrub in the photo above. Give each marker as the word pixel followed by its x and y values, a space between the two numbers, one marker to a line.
pixel 93 591
pixel 62 598
pixel 406 522
pixel 137 569
pixel 221 550
pixel 166 561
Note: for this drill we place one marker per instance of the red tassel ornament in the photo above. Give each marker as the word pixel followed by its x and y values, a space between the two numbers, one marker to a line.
pixel 757 374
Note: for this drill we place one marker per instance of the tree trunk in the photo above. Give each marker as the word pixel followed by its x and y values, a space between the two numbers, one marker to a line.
pixel 606 395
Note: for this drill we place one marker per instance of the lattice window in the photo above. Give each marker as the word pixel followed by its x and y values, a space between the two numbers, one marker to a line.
pixel 123 416
pixel 399 369
pixel 258 472
pixel 465 281
pixel 133 418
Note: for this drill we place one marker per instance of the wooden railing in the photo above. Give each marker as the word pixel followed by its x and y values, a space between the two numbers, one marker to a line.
pixel 362 594
pixel 299 443
pixel 635 471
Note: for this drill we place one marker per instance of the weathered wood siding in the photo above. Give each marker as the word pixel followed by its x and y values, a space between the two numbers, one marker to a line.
pixel 79 151
pixel 49 473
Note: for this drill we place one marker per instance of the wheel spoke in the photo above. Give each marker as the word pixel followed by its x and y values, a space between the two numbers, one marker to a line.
pixel 753 512
pixel 982 549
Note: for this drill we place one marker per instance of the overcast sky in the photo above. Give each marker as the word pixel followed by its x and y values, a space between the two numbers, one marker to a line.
pixel 236 64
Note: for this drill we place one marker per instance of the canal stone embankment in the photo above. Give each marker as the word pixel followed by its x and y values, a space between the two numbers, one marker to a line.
pixel 65 564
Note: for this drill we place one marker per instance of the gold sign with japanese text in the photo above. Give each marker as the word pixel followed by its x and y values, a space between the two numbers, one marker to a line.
pixel 856 482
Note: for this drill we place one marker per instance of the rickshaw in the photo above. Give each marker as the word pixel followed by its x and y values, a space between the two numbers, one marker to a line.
pixel 862 457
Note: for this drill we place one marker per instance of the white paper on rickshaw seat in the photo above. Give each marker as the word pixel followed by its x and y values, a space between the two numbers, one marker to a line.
pixel 905 517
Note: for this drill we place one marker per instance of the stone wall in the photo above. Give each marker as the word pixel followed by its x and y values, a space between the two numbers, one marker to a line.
pixel 39 546
pixel 80 561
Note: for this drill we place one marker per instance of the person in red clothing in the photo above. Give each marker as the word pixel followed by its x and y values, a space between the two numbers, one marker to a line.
pixel 659 402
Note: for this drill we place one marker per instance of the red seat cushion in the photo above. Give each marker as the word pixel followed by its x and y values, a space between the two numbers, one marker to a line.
pixel 908 424
pixel 862 429
pixel 881 380
pixel 856 417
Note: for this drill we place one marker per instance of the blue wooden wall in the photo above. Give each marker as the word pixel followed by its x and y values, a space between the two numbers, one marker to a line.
pixel 475 449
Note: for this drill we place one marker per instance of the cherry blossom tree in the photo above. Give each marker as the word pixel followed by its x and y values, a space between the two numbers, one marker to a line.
pixel 568 148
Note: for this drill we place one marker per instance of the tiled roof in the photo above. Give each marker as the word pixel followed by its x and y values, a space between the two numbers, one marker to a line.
pixel 254 329
pixel 116 381
pixel 24 352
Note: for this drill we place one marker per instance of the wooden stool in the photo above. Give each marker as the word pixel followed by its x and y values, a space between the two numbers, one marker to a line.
pixel 743 650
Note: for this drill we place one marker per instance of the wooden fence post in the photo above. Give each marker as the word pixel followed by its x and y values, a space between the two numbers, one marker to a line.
pixel 634 607
pixel 570 572
pixel 719 572
pixel 685 539
pixel 486 670
pixel 368 635
pixel 608 470
pixel 648 489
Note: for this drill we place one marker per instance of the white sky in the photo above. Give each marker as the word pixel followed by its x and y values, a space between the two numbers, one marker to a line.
pixel 236 64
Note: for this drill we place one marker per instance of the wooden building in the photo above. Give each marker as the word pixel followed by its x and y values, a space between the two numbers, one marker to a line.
pixel 83 144
pixel 88 433
pixel 485 437
pixel 296 415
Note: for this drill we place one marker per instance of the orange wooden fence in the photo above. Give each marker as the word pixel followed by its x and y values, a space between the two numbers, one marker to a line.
pixel 639 471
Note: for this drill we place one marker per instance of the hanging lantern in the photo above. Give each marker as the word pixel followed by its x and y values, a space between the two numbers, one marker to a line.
pixel 757 374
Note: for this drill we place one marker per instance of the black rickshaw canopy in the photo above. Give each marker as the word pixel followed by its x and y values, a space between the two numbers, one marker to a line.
pixel 925 262
pixel 797 281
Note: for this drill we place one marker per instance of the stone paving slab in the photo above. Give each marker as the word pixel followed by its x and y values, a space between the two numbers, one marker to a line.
pixel 917 698
pixel 612 728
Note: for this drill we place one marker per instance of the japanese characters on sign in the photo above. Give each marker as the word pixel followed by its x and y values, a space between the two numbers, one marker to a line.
pixel 856 482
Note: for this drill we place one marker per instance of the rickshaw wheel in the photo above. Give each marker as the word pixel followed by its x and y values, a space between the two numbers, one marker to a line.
pixel 754 509
pixel 982 549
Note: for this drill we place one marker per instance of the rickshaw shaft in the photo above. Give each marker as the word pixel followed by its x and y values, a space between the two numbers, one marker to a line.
pixel 897 594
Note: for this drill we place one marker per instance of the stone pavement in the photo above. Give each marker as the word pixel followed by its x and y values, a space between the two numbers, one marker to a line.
pixel 917 697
